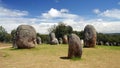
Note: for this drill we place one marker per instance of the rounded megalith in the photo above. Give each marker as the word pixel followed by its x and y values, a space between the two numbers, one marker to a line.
pixel 25 36
pixel 53 39
pixel 75 46
pixel 38 40
pixel 89 36
pixel 52 36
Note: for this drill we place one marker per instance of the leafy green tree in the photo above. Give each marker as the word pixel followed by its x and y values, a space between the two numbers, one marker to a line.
pixel 108 37
pixel 52 29
pixel 13 32
pixel 4 36
pixel 44 37
pixel 79 33
pixel 61 29
pixel 69 29
pixel 8 38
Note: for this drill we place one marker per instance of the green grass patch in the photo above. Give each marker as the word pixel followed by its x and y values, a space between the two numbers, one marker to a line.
pixel 4 54
pixel 109 47
pixel 76 59
pixel 52 56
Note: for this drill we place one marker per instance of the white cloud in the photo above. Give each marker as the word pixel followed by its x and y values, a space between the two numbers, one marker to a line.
pixel 12 23
pixel 105 26
pixel 64 11
pixel 11 13
pixel 11 19
pixel 96 11
pixel 43 27
pixel 99 24
pixel 54 13
pixel 112 13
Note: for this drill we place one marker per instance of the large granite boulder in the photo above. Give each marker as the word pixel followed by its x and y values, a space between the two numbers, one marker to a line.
pixel 75 47
pixel 53 39
pixel 89 36
pixel 25 36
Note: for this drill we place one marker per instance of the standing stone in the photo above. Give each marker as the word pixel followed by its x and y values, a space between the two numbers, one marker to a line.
pixel 82 42
pixel 65 39
pixel 114 43
pixel 75 47
pixel 53 39
pixel 100 43
pixel 25 36
pixel 13 34
pixel 111 44
pixel 38 40
pixel 14 43
pixel 89 36
pixel 60 41
pixel 107 43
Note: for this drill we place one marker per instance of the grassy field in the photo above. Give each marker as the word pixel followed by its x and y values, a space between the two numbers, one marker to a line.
pixel 53 56
pixel 4 44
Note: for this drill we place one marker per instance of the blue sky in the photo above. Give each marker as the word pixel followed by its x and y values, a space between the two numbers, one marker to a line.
pixel 80 7
pixel 42 14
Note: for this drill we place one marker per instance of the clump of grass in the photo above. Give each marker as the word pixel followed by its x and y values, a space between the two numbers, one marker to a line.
pixel 76 58
pixel 4 54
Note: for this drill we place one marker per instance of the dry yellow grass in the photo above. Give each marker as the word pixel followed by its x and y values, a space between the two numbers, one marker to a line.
pixel 4 44
pixel 46 56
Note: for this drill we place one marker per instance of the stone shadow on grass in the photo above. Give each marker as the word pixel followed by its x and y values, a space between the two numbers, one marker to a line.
pixel 64 57
pixel 73 59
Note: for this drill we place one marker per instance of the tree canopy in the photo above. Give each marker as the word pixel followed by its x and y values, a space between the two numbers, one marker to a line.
pixel 61 29
pixel 4 36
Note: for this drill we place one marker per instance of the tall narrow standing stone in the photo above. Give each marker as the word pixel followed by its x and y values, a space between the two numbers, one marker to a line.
pixel 53 39
pixel 89 36
pixel 75 47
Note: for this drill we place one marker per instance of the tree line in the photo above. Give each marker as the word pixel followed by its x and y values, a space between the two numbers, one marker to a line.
pixel 60 30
